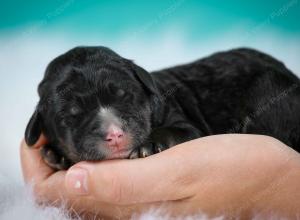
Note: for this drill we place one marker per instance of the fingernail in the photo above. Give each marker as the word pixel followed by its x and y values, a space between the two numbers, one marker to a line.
pixel 76 180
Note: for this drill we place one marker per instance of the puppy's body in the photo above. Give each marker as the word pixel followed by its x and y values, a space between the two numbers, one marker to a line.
pixel 103 106
pixel 239 91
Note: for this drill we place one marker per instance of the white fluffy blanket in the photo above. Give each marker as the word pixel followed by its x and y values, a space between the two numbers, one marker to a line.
pixel 16 202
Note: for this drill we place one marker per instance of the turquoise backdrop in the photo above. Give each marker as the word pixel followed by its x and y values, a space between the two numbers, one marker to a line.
pixel 114 18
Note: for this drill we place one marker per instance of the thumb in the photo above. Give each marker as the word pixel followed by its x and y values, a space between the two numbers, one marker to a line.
pixel 161 177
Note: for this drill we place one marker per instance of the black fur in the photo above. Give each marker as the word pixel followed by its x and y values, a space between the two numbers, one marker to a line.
pixel 238 91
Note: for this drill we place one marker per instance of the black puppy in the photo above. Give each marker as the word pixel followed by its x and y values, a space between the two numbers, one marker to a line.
pixel 96 105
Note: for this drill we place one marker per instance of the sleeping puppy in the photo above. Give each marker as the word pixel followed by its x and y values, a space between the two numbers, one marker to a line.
pixel 96 105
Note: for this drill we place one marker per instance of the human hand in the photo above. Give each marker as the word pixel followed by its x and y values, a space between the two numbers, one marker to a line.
pixel 218 175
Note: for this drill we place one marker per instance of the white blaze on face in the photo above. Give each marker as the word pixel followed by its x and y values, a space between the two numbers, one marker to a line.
pixel 108 118
pixel 117 142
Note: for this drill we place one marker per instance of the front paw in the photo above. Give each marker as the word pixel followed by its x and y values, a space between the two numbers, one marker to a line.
pixel 147 150
pixel 53 159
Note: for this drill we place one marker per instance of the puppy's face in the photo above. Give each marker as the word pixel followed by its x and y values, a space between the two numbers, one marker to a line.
pixel 94 105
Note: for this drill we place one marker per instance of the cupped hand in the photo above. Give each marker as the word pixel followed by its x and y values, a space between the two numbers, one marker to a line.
pixel 231 175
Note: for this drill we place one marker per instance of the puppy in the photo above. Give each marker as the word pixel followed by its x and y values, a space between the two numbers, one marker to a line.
pixel 96 105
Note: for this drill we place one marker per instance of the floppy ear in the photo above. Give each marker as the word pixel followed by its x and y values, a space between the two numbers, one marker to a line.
pixel 33 129
pixel 145 78
pixel 157 103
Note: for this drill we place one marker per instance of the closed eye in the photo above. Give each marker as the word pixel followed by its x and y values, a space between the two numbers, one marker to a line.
pixel 120 92
pixel 75 110
pixel 115 90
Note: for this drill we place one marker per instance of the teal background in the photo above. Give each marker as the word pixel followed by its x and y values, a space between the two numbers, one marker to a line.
pixel 199 19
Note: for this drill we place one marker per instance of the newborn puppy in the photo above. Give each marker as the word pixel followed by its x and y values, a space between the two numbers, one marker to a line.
pixel 96 105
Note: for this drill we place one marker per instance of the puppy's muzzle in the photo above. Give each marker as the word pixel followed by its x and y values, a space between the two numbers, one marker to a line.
pixel 115 137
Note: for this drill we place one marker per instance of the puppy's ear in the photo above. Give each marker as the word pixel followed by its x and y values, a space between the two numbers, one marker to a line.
pixel 146 79
pixel 33 129
pixel 156 100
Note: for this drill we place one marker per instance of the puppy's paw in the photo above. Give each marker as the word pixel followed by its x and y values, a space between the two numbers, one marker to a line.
pixel 141 152
pixel 53 159
pixel 147 150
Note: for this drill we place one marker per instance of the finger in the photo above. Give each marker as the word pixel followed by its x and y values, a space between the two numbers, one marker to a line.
pixel 46 183
pixel 53 191
pixel 161 177
pixel 33 167
pixel 40 142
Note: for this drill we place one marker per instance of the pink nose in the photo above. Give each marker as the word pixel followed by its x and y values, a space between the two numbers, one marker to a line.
pixel 114 135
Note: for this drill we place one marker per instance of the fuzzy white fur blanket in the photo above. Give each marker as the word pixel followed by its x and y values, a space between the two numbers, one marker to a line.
pixel 17 202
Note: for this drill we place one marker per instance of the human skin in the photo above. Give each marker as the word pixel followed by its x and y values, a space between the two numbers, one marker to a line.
pixel 231 175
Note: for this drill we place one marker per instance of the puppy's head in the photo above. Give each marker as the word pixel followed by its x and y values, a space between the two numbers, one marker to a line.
pixel 94 105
